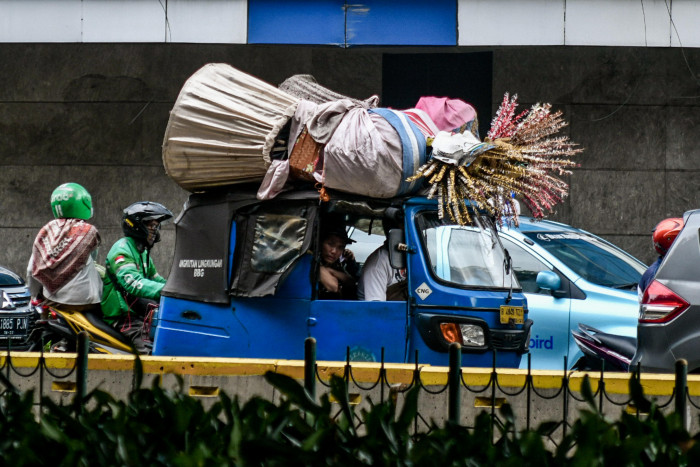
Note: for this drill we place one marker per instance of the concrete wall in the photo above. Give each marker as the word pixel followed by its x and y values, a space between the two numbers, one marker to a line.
pixel 96 114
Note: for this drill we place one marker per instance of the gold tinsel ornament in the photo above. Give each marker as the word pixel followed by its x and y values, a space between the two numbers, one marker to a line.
pixel 519 156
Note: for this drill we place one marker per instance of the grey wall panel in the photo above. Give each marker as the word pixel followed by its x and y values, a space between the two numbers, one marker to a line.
pixel 616 137
pixel 96 113
pixel 683 150
pixel 682 192
pixel 617 202
pixel 101 133
pixel 533 73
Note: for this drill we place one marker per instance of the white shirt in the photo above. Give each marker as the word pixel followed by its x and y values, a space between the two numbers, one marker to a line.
pixel 377 275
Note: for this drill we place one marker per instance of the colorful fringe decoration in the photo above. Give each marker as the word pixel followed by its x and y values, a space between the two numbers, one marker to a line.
pixel 520 157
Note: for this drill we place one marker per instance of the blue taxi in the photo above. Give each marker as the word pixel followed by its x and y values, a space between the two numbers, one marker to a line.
pixel 571 276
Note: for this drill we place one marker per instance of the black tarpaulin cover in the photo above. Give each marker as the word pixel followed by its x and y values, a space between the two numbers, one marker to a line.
pixel 269 237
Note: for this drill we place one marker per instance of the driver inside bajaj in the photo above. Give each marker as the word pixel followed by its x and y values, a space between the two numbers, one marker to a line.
pixel 338 271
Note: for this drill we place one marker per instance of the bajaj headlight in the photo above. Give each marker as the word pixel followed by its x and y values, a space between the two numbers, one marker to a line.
pixel 467 335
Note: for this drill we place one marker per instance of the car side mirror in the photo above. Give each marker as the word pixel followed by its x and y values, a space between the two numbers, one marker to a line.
pixel 548 280
pixel 397 249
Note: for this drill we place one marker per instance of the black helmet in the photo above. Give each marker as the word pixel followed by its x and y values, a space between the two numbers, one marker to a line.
pixel 138 214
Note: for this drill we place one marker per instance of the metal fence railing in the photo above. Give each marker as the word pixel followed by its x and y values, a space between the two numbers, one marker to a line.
pixel 495 392
pixel 459 396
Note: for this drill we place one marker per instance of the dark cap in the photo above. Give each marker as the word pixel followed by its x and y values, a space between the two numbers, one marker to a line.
pixel 338 231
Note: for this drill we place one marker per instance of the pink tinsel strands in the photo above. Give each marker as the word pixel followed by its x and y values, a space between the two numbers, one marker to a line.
pixel 503 125
pixel 523 157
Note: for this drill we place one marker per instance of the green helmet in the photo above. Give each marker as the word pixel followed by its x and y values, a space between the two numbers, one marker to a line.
pixel 71 200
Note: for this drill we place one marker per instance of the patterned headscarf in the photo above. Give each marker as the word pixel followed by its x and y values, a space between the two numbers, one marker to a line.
pixel 60 250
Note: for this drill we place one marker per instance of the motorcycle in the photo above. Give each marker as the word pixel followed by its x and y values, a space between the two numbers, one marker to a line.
pixel 57 331
pixel 597 346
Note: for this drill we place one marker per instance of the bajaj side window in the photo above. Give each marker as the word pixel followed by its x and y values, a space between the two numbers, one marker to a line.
pixel 269 244
pixel 277 243
pixel 367 236
pixel 469 256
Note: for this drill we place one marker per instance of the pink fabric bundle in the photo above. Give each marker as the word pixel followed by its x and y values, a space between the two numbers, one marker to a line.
pixel 448 114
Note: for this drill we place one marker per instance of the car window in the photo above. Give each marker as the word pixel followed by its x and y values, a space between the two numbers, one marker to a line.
pixel 596 261
pixel 525 266
pixel 469 255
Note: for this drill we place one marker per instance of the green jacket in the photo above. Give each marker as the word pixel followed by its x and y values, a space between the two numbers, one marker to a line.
pixel 133 275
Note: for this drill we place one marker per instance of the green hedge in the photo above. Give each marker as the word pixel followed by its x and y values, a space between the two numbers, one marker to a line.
pixel 159 427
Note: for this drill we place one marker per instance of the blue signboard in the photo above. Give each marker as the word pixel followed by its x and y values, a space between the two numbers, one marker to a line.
pixel 296 22
pixel 409 22
pixel 336 22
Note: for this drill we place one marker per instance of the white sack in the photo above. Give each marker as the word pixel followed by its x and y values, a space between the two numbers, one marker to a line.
pixel 363 156
pixel 223 127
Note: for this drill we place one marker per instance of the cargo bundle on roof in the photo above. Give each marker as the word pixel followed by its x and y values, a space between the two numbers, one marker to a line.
pixel 223 128
pixel 228 127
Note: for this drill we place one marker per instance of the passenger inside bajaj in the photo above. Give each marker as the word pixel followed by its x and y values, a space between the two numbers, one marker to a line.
pixel 379 280
pixel 373 278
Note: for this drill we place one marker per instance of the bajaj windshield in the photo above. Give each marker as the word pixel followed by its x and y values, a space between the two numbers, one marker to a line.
pixel 470 255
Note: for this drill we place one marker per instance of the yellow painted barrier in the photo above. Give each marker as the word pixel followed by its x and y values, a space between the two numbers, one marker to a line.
pixel 615 383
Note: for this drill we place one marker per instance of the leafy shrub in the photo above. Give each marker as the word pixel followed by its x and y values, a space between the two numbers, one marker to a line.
pixel 160 427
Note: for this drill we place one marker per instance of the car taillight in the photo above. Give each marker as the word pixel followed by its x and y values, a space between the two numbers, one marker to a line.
pixel 661 304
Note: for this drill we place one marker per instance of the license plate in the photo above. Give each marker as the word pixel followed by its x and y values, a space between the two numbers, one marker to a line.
pixel 14 327
pixel 512 314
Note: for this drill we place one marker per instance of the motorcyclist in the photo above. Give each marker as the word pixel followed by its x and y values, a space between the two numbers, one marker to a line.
pixel 663 236
pixel 132 285
pixel 62 269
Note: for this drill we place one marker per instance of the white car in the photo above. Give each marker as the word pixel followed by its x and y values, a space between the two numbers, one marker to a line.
pixel 16 314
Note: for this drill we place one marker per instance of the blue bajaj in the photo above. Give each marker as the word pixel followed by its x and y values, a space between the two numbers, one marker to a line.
pixel 244 283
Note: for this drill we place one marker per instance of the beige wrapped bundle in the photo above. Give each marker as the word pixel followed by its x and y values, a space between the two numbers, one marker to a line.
pixel 223 127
